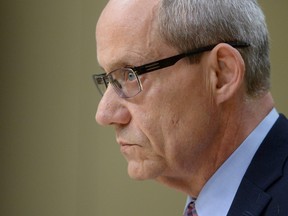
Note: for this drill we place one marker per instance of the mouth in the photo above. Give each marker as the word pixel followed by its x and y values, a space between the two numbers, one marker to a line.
pixel 127 146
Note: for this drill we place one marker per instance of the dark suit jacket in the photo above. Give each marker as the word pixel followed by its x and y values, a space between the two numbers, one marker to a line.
pixel 264 187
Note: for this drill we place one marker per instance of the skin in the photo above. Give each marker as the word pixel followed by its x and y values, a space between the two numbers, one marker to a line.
pixel 189 118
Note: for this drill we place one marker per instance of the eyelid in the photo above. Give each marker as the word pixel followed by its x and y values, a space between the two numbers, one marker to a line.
pixel 129 66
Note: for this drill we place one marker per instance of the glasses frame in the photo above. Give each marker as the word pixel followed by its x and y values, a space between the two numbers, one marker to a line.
pixel 105 79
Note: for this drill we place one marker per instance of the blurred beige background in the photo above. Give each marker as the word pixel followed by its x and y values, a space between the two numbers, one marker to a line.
pixel 54 159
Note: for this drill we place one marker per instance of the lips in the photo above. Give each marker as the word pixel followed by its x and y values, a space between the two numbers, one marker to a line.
pixel 125 146
pixel 124 143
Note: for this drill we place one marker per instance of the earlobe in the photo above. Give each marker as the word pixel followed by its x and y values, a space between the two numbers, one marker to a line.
pixel 229 69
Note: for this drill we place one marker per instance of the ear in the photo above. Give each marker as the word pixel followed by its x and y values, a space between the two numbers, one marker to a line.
pixel 228 69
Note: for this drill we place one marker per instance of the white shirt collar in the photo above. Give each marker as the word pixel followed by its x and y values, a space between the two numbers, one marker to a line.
pixel 218 193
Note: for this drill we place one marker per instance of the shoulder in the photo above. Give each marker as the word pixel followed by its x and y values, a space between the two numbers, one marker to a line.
pixel 264 187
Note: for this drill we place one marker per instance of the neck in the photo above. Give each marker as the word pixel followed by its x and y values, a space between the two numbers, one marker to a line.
pixel 235 123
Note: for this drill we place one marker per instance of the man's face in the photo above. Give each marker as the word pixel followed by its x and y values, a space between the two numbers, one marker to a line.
pixel 164 132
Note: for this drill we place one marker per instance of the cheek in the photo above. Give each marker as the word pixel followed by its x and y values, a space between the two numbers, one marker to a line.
pixel 174 123
pixel 185 134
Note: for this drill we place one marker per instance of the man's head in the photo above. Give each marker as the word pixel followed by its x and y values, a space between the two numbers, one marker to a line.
pixel 189 24
pixel 189 117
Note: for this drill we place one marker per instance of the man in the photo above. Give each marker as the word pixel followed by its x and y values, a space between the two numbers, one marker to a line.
pixel 203 121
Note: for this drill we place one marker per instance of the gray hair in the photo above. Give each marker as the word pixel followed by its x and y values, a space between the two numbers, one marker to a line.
pixel 188 24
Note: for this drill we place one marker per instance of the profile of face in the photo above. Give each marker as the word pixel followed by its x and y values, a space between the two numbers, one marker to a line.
pixel 164 132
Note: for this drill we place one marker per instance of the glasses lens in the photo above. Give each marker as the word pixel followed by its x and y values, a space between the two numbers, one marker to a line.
pixel 100 83
pixel 126 82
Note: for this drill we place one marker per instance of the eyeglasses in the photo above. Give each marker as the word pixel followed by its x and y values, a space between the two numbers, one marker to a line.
pixel 126 82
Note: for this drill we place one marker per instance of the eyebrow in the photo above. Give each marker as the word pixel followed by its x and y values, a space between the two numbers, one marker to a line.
pixel 114 66
pixel 126 60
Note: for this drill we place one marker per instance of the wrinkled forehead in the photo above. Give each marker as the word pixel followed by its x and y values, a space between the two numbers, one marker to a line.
pixel 126 24
pixel 122 10
pixel 127 15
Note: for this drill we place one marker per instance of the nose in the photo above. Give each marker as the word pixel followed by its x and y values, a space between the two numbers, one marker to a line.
pixel 112 110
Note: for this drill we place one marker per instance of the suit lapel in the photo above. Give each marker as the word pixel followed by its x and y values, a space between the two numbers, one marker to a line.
pixel 264 170
pixel 249 201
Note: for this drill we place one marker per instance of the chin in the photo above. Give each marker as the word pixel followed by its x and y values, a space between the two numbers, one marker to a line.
pixel 137 174
pixel 139 171
pixel 137 177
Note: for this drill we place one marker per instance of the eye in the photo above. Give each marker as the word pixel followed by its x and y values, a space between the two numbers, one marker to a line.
pixel 131 76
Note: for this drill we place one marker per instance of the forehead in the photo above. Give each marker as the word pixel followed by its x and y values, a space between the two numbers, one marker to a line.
pixel 127 31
